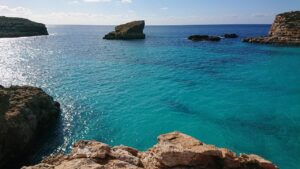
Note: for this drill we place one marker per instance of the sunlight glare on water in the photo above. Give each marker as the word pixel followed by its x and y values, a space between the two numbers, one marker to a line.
pixel 244 97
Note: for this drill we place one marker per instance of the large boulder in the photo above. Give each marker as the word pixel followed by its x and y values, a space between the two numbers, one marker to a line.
pixel 285 30
pixel 24 113
pixel 19 27
pixel 128 31
pixel 197 38
pixel 173 151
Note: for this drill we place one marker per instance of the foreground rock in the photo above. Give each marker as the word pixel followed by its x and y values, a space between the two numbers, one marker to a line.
pixel 24 112
pixel 173 151
pixel 19 27
pixel 128 31
pixel 197 38
pixel 285 30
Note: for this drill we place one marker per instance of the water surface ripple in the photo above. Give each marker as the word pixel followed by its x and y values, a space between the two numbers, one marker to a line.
pixel 245 97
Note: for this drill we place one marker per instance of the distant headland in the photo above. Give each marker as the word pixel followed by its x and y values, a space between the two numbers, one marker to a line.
pixel 19 27
pixel 285 30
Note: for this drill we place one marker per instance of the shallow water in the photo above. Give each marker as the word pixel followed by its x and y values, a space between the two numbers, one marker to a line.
pixel 245 97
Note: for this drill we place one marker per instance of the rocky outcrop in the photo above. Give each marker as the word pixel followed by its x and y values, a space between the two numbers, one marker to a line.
pixel 285 30
pixel 197 38
pixel 24 112
pixel 19 27
pixel 173 151
pixel 128 31
pixel 232 35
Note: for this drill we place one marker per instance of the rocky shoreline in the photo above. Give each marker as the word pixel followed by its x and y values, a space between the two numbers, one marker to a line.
pixel 27 111
pixel 18 27
pixel 173 151
pixel 24 113
pixel 284 31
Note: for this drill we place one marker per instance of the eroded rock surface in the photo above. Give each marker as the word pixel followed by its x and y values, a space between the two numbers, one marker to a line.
pixel 285 30
pixel 19 27
pixel 128 31
pixel 24 112
pixel 173 151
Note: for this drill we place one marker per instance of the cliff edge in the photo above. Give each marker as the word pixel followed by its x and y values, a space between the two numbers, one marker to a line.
pixel 173 151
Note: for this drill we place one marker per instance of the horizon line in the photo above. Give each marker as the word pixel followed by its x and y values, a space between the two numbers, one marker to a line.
pixel 163 24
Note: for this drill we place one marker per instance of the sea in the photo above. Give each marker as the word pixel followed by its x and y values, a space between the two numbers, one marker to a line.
pixel 241 96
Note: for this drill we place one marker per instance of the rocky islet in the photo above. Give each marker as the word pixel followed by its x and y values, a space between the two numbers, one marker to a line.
pixel 128 31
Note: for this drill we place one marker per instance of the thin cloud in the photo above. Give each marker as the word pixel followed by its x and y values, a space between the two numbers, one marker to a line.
pixel 96 0
pixel 74 2
pixel 17 11
pixel 126 1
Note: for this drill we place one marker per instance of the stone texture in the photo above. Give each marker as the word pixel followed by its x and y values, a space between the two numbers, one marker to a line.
pixel 285 30
pixel 19 27
pixel 128 31
pixel 173 151
pixel 24 112
pixel 197 38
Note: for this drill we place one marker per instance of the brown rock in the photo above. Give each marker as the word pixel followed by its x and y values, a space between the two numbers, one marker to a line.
pixel 285 30
pixel 128 31
pixel 126 154
pixel 24 112
pixel 173 151
pixel 90 149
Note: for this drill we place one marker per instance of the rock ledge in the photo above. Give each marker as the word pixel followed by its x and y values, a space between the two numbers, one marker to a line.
pixel 173 151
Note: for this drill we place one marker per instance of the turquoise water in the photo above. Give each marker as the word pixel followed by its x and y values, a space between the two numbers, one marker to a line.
pixel 241 96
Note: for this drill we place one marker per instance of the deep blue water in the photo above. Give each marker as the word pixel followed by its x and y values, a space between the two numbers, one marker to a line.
pixel 241 96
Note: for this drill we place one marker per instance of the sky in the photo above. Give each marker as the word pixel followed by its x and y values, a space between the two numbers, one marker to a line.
pixel 155 12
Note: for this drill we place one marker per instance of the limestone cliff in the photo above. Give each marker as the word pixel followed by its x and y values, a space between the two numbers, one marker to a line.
pixel 285 30
pixel 173 151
